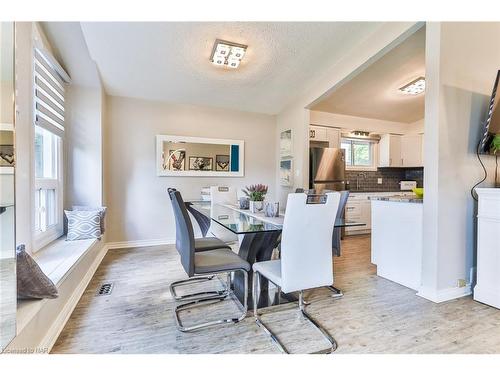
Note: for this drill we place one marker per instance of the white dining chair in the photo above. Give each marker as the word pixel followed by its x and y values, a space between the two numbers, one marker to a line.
pixel 306 254
pixel 223 195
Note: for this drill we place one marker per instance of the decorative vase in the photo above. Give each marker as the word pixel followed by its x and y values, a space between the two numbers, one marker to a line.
pixel 244 203
pixel 272 209
pixel 256 206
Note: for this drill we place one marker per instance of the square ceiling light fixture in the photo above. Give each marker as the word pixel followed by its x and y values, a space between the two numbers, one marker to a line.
pixel 227 53
pixel 415 87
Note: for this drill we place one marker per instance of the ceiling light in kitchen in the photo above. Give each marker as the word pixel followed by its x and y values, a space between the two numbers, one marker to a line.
pixel 227 54
pixel 415 87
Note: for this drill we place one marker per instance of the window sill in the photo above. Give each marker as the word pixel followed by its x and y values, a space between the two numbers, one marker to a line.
pixel 56 260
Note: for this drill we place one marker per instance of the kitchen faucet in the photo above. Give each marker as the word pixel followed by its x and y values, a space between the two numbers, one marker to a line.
pixel 361 174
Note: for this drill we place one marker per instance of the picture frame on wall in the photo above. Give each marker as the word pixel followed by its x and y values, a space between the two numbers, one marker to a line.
pixel 177 160
pixel 286 143
pixel 222 163
pixel 200 163
pixel 286 172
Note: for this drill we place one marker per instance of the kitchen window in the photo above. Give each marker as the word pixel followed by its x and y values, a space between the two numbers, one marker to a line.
pixel 359 154
pixel 48 115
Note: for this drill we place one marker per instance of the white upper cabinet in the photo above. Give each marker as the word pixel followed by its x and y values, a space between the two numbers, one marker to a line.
pixel 390 151
pixel 324 134
pixel 411 151
pixel 333 136
pixel 401 151
pixel 318 133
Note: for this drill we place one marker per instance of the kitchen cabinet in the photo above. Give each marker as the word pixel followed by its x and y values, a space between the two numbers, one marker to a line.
pixel 487 288
pixel 390 151
pixel 411 151
pixel 325 134
pixel 318 133
pixel 358 208
pixel 401 151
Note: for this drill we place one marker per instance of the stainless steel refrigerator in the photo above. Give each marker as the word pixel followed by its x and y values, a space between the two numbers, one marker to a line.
pixel 326 169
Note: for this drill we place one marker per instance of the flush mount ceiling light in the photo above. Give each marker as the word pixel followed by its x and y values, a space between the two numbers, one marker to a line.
pixel 415 87
pixel 227 53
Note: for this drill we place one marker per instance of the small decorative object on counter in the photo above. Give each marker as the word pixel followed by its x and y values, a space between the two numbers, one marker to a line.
pixel 256 194
pixel 272 209
pixel 244 203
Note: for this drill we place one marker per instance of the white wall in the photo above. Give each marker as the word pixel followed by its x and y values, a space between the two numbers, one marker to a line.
pixel 84 146
pixel 85 106
pixel 138 205
pixel 349 123
pixel 461 65
pixel 24 134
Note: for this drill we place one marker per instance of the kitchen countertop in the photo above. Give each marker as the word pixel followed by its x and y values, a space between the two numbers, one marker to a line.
pixel 399 198
pixel 372 191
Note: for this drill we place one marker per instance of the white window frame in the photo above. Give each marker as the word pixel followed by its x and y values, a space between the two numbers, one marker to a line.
pixel 41 239
pixel 53 232
pixel 373 151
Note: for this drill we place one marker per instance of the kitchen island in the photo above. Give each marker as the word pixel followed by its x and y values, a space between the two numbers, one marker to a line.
pixel 396 238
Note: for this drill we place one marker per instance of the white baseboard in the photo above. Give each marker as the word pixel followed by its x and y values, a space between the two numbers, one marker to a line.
pixel 55 330
pixel 444 295
pixel 140 243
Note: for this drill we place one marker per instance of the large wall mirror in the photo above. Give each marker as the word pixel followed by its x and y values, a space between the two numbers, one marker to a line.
pixel 193 156
pixel 8 301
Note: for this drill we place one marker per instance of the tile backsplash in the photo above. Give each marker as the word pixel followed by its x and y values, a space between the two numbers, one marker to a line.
pixel 390 178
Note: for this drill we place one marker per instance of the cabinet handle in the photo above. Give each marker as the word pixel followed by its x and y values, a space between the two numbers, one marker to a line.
pixel 313 133
pixel 390 161
pixel 402 161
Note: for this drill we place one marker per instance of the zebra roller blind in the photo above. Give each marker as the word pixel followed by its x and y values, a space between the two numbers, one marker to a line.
pixel 49 94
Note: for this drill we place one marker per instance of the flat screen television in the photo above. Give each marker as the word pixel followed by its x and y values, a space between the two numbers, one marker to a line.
pixel 492 124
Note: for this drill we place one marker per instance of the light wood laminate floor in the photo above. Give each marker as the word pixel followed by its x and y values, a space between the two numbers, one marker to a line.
pixel 374 316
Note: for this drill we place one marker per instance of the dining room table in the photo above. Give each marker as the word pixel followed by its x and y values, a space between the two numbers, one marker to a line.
pixel 259 236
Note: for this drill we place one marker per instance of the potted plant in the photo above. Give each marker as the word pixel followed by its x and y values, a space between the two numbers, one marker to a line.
pixel 495 144
pixel 256 194
pixel 495 149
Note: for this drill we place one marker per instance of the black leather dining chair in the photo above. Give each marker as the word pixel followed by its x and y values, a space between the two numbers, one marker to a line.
pixel 204 243
pixel 201 263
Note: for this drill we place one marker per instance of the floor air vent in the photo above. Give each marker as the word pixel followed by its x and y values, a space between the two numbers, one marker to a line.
pixel 105 289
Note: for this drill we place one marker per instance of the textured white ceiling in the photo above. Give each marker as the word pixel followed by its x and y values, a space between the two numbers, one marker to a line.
pixel 169 61
pixel 373 93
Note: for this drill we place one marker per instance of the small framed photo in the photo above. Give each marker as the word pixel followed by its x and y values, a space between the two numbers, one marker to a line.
pixel 286 144
pixel 200 163
pixel 177 160
pixel 222 163
pixel 286 175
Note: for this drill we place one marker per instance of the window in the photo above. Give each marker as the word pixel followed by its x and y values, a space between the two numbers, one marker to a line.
pixel 48 116
pixel 359 154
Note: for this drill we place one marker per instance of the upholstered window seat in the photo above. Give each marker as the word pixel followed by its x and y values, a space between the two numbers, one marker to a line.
pixel 70 265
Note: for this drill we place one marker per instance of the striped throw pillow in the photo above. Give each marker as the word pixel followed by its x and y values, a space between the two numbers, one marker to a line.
pixel 83 225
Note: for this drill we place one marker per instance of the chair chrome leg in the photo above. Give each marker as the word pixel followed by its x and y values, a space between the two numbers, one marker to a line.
pixel 196 303
pixel 256 280
pixel 323 331
pixel 194 296
pixel 337 293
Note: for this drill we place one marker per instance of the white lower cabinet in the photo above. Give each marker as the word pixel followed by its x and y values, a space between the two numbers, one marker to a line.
pixel 487 289
pixel 358 208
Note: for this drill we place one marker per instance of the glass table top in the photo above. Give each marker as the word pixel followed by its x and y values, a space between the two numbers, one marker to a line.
pixel 241 221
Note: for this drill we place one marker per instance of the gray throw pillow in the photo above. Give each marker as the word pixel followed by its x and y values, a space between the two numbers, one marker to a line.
pixel 31 281
pixel 83 225
pixel 102 212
